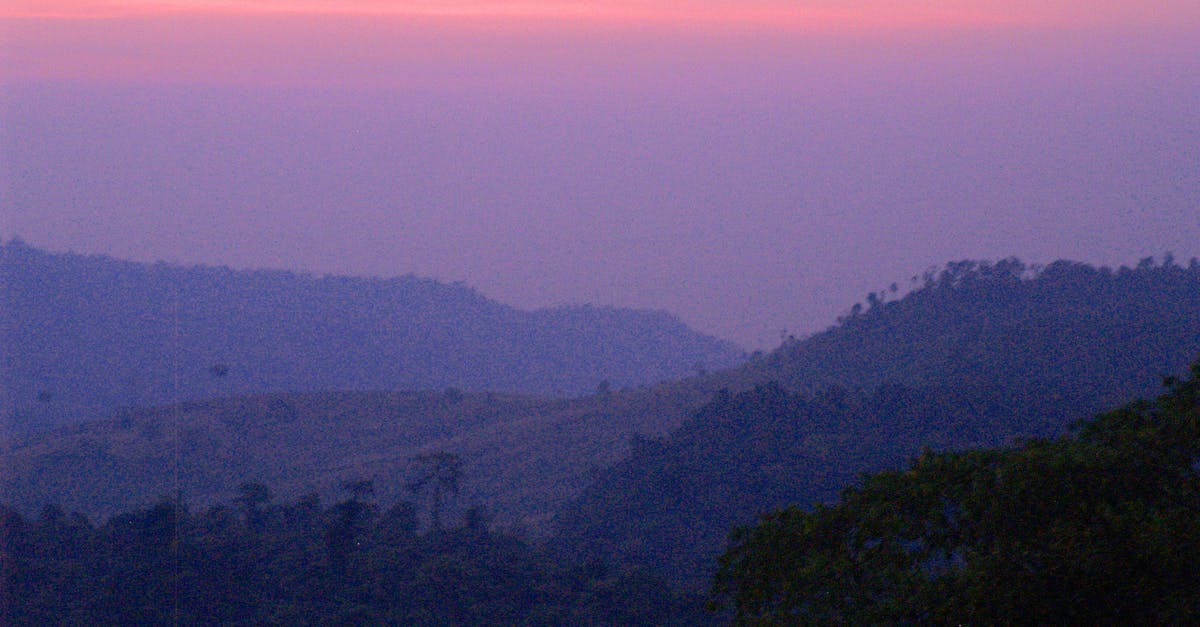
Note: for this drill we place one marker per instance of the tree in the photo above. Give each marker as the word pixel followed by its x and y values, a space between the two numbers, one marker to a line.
pixel 436 474
pixel 1102 526
pixel 348 521
pixel 252 496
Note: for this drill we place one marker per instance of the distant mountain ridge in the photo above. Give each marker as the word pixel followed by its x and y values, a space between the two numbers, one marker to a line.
pixel 1089 330
pixel 85 335
pixel 976 357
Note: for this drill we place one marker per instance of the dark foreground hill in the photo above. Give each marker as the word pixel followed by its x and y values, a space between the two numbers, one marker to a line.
pixel 1101 526
pixel 1076 530
pixel 977 357
pixel 83 336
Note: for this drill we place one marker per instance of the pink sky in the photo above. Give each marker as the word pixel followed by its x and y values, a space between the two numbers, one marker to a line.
pixel 342 42
pixel 751 166
pixel 810 15
pixel 892 12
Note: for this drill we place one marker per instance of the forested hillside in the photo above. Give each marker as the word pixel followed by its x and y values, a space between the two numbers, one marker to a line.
pixel 757 447
pixel 1094 527
pixel 84 336
pixel 978 356
pixel 670 505
pixel 1071 326
pixel 1098 527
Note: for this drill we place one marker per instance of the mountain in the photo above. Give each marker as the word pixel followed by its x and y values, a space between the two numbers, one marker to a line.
pixel 976 357
pixel 86 335
pixel 1075 327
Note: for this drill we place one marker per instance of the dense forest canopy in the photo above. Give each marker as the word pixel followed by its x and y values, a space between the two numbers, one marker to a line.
pixel 668 506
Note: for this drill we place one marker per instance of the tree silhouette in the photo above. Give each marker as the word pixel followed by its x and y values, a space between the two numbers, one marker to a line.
pixel 348 522
pixel 251 498
pixel 436 474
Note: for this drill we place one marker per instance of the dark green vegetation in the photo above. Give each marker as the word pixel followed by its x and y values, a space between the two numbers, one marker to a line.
pixel 1099 527
pixel 83 336
pixel 980 355
pixel 251 562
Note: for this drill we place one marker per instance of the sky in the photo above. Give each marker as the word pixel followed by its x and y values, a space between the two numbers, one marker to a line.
pixel 753 166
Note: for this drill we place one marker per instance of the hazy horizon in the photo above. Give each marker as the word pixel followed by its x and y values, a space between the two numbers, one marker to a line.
pixel 749 167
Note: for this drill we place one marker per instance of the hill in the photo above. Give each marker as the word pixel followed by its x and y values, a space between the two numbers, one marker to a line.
pixel 1072 326
pixel 294 442
pixel 1023 351
pixel 978 356
pixel 523 457
pixel 973 380
pixel 670 505
pixel 85 335
pixel 1101 526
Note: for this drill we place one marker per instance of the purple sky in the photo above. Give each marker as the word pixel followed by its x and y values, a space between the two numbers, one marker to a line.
pixel 749 180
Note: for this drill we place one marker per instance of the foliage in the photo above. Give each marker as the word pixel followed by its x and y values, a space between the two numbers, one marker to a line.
pixel 299 563
pixel 1098 527
pixel 438 475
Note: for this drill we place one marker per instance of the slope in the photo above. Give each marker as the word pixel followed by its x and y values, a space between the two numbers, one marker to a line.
pixel 83 336
pixel 526 458
pixel 980 355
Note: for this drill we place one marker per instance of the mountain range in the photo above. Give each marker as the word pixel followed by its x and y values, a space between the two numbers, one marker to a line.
pixel 86 335
pixel 978 354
